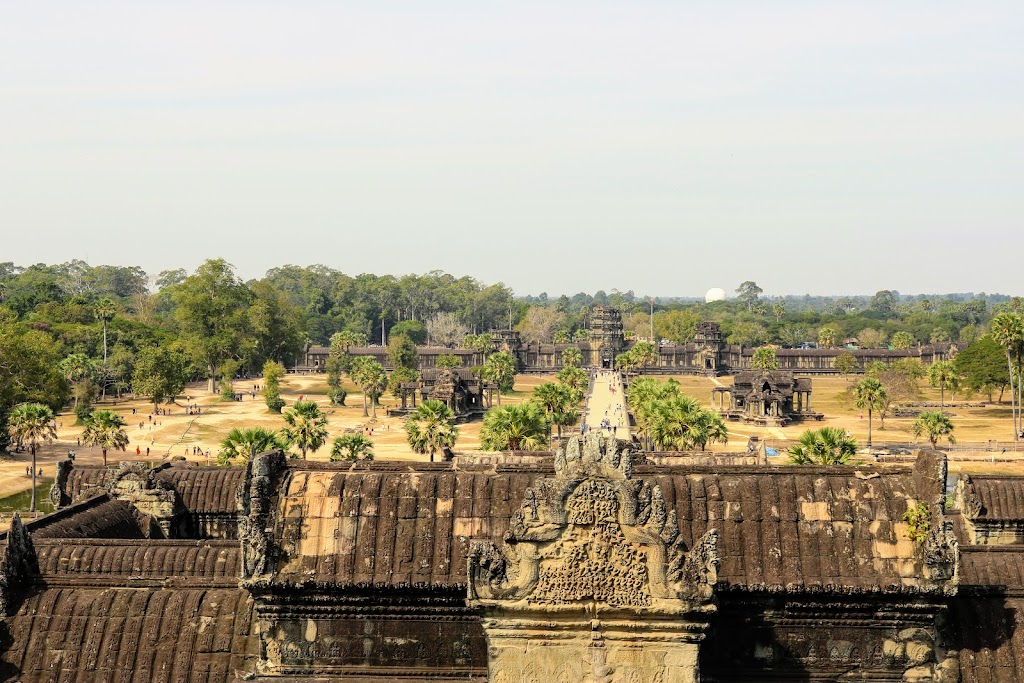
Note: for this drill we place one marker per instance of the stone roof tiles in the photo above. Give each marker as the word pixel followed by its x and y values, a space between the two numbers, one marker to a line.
pixel 205 489
pixel 1001 498
pixel 155 559
pixel 779 528
pixel 129 634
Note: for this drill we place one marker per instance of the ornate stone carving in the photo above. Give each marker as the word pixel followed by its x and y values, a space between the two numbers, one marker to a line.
pixel 256 513
pixel 154 498
pixel 941 556
pixel 17 564
pixel 58 491
pixel 587 553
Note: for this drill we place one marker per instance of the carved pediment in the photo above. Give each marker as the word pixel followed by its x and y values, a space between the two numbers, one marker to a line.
pixel 594 535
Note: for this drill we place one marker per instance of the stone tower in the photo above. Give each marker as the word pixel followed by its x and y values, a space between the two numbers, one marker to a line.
pixel 606 338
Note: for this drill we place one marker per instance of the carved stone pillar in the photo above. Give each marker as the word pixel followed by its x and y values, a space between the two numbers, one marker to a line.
pixel 593 582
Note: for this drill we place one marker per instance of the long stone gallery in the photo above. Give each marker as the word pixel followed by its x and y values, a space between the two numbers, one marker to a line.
pixel 587 563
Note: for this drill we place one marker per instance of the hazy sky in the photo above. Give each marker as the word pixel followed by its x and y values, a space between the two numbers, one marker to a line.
pixel 664 147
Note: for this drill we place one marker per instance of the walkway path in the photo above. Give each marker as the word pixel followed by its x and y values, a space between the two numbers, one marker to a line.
pixel 607 402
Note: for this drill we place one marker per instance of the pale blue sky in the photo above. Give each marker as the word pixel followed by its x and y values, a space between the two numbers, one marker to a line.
pixel 663 147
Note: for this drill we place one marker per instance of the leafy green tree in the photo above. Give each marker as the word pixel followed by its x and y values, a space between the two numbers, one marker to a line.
pixel 104 429
pixel 1008 332
pixel 402 353
pixel 517 427
pixel 160 373
pixel 884 301
pixel 779 310
pixel 29 372
pixel 825 446
pixel 415 330
pixel 846 364
pixel 245 444
pixel 273 372
pixel 500 368
pixel 935 426
pixel 764 359
pixel 572 357
pixel 351 448
pixel 228 369
pixel 942 374
pixel 983 366
pixel 31 425
pixel 746 333
pixel 870 394
pixel 306 426
pixel 902 340
pixel 748 292
pixel 78 370
pixel 448 360
pixel 212 310
pixel 401 376
pixel 431 428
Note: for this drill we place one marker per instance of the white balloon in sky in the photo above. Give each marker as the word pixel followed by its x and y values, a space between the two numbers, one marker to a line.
pixel 714 294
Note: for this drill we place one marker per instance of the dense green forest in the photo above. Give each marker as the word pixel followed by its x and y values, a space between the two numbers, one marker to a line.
pixel 75 332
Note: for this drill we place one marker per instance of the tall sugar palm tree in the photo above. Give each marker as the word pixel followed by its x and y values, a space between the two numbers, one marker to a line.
pixel 942 374
pixel 869 393
pixel 1008 332
pixel 825 446
pixel 31 425
pixel 105 310
pixel 935 426
pixel 105 430
pixel 431 427
pixel 246 443
pixel 306 426
pixel 516 427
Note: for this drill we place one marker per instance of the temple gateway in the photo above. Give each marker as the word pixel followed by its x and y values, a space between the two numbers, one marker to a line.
pixel 582 565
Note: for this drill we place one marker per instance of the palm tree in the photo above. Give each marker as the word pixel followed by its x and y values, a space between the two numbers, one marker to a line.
pixel 517 427
pixel 942 374
pixel 246 443
pixel 105 429
pixel 105 311
pixel 680 423
pixel 827 337
pixel 576 381
pixel 431 427
pixel 1008 332
pixel 31 424
pixel 556 399
pixel 935 426
pixel 826 446
pixel 572 357
pixel 869 393
pixel 306 426
pixel 351 447
pixel 643 354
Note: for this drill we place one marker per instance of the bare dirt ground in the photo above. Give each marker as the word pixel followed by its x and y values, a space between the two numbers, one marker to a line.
pixel 975 425
pixel 177 434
